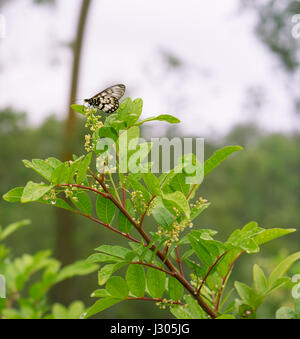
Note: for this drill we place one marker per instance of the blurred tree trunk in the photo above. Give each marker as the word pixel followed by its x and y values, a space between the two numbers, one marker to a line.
pixel 65 222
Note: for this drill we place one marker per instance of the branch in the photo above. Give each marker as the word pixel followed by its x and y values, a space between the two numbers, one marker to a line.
pixel 85 188
pixel 210 269
pixel 161 256
pixel 225 279
pixel 155 300
pixel 146 210
pixel 108 226
pixel 179 261
pixel 152 266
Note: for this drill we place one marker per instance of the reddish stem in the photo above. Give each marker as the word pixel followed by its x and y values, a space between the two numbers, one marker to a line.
pixel 146 210
pixel 153 266
pixel 85 188
pixel 179 261
pixel 210 269
pixel 225 279
pixel 155 300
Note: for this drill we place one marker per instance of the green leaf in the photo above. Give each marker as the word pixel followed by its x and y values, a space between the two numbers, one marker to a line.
pixel 105 209
pixel 12 228
pixel 218 157
pixel 136 280
pixel 79 109
pixel 201 251
pixel 101 305
pixel 260 281
pixel 195 310
pixel 124 224
pixel 59 311
pixel 180 312
pixel 60 175
pixel 79 268
pixel 76 309
pixel 101 293
pixel 175 289
pixel 165 117
pixel 53 162
pixel 106 271
pixel 116 251
pixel 163 217
pixel 156 282
pixel 178 200
pixel 83 202
pixel 33 192
pixel 14 195
pixel 83 168
pixel 41 167
pixel 117 287
pixel 60 203
pixel 102 257
pixel 283 267
pixel 178 183
pixel 135 112
pixel 152 183
pixel 286 313
pixel 271 234
pixel 245 293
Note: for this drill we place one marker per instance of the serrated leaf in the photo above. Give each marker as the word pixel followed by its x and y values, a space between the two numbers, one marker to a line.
pixel 152 183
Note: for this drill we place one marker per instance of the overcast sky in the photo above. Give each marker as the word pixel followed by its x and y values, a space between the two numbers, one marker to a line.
pixel 222 60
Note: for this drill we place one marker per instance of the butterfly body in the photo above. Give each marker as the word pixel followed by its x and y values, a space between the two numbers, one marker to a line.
pixel 107 100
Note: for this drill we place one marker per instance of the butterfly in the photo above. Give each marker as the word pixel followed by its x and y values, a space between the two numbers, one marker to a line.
pixel 108 100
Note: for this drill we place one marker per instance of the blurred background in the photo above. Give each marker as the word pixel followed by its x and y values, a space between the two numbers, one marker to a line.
pixel 229 70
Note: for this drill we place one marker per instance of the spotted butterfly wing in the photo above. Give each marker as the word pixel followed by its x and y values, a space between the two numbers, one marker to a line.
pixel 107 100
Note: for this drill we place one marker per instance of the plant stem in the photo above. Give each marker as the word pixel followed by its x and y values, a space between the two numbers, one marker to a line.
pixel 160 255
pixel 210 269
pixel 146 210
pixel 179 261
pixel 225 279
pixel 153 266
pixel 114 186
